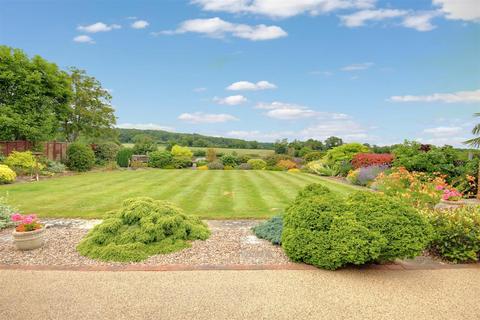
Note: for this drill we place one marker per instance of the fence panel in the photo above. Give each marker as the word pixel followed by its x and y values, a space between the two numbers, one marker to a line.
pixel 53 150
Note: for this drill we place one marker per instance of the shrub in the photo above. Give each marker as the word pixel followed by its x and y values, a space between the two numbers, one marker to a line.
pixel 6 213
pixel 7 175
pixel 245 166
pixel 456 233
pixel 319 167
pixel 228 168
pixel 364 176
pixel 257 164
pixel 294 170
pixel 144 144
pixel 343 167
pixel 178 151
pixel 328 231
pixel 417 188
pixel 179 162
pixel 215 165
pixel 199 153
pixel 273 159
pixel 274 168
pixel 80 157
pixel 286 164
pixel 229 160
pixel 140 228
pixel 211 155
pixel 344 153
pixel 55 167
pixel 270 230
pixel 201 163
pixel 203 168
pixel 105 152
pixel 361 160
pixel 160 159
pixel 22 162
pixel 244 158
pixel 123 157
pixel 312 156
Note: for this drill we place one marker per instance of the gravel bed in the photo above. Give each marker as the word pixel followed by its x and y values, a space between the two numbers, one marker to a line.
pixel 231 242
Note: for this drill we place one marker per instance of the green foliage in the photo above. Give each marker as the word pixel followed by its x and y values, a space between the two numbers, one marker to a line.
pixel 180 162
pixel 160 159
pixel 281 146
pixel 6 212
pixel 312 156
pixel 321 168
pixel 144 144
pixel 215 165
pixel 55 166
pixel 270 230
pixel 106 152
pixel 22 162
pixel 142 227
pixel 328 231
pixel 178 151
pixel 257 164
pixel 244 166
pixel 34 96
pixel 456 234
pixel 7 175
pixel 199 153
pixel 229 160
pixel 80 157
pixel 123 157
pixel 333 142
pixel 344 153
pixel 273 159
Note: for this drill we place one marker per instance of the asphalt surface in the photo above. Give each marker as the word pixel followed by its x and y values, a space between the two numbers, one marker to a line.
pixel 266 294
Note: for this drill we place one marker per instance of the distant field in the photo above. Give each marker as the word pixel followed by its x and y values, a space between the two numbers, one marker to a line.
pixel 260 152
pixel 208 194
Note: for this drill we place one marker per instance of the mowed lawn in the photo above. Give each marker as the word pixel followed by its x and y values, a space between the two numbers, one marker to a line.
pixel 208 194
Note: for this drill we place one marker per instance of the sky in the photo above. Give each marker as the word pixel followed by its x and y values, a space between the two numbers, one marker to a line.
pixel 375 72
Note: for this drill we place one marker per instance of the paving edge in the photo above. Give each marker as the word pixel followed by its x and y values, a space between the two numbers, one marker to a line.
pixel 238 267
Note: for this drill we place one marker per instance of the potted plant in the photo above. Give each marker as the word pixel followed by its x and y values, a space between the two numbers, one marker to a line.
pixel 29 233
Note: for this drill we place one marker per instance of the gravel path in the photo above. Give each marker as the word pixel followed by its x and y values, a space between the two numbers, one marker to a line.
pixel 231 242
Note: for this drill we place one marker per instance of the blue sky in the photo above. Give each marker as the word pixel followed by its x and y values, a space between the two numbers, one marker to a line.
pixel 365 70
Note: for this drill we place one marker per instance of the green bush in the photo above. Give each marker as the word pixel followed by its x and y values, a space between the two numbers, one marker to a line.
pixel 142 227
pixel 344 153
pixel 181 162
pixel 257 164
pixel 199 153
pixel 55 166
pixel 312 156
pixel 6 213
pixel 215 165
pixel 201 163
pixel 244 166
pixel 456 233
pixel 229 160
pixel 179 151
pixel 106 152
pixel 329 231
pixel 80 157
pixel 270 230
pixel 144 144
pixel 244 158
pixel 22 162
pixel 273 159
pixel 160 159
pixel 123 157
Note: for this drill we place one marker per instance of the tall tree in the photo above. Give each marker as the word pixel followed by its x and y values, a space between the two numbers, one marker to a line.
pixel 34 95
pixel 90 114
pixel 333 142
pixel 475 142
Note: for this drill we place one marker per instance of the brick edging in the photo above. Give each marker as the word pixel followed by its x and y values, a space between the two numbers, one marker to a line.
pixel 238 267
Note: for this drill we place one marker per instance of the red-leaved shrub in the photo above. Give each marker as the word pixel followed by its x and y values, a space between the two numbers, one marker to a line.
pixel 361 160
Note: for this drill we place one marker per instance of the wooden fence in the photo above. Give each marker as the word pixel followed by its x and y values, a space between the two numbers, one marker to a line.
pixel 53 150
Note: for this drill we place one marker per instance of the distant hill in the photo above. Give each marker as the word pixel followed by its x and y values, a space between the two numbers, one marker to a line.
pixel 192 139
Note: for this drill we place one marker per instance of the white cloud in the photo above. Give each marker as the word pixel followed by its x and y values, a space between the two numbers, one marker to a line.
pixel 231 100
pixel 250 86
pixel 145 126
pixel 258 135
pixel 359 18
pixel 98 27
pixel 443 131
pixel 83 39
pixel 140 24
pixel 467 10
pixel 200 89
pixel 455 97
pixel 200 117
pixel 218 28
pixel 323 73
pixel 420 21
pixel 289 111
pixel 358 66
pixel 282 9
pixel 345 128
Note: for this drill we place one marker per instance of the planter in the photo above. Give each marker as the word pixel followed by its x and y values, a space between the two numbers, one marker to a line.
pixel 29 240
pixel 454 203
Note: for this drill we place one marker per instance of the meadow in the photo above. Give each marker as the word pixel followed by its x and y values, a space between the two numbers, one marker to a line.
pixel 208 194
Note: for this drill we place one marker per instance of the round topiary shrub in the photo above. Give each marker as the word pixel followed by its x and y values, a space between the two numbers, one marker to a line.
pixel 142 227
pixel 329 231
pixel 257 164
pixel 7 175
pixel 160 159
pixel 80 157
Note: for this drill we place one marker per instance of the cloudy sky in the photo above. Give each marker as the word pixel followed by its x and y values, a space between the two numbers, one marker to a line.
pixel 364 70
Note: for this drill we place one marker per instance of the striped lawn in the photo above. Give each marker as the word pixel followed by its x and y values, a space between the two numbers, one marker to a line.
pixel 208 194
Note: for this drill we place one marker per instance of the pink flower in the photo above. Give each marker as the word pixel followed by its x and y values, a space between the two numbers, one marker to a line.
pixel 439 187
pixel 27 220
pixel 17 217
pixel 33 216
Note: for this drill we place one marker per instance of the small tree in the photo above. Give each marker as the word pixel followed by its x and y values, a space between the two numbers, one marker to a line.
pixel 144 144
